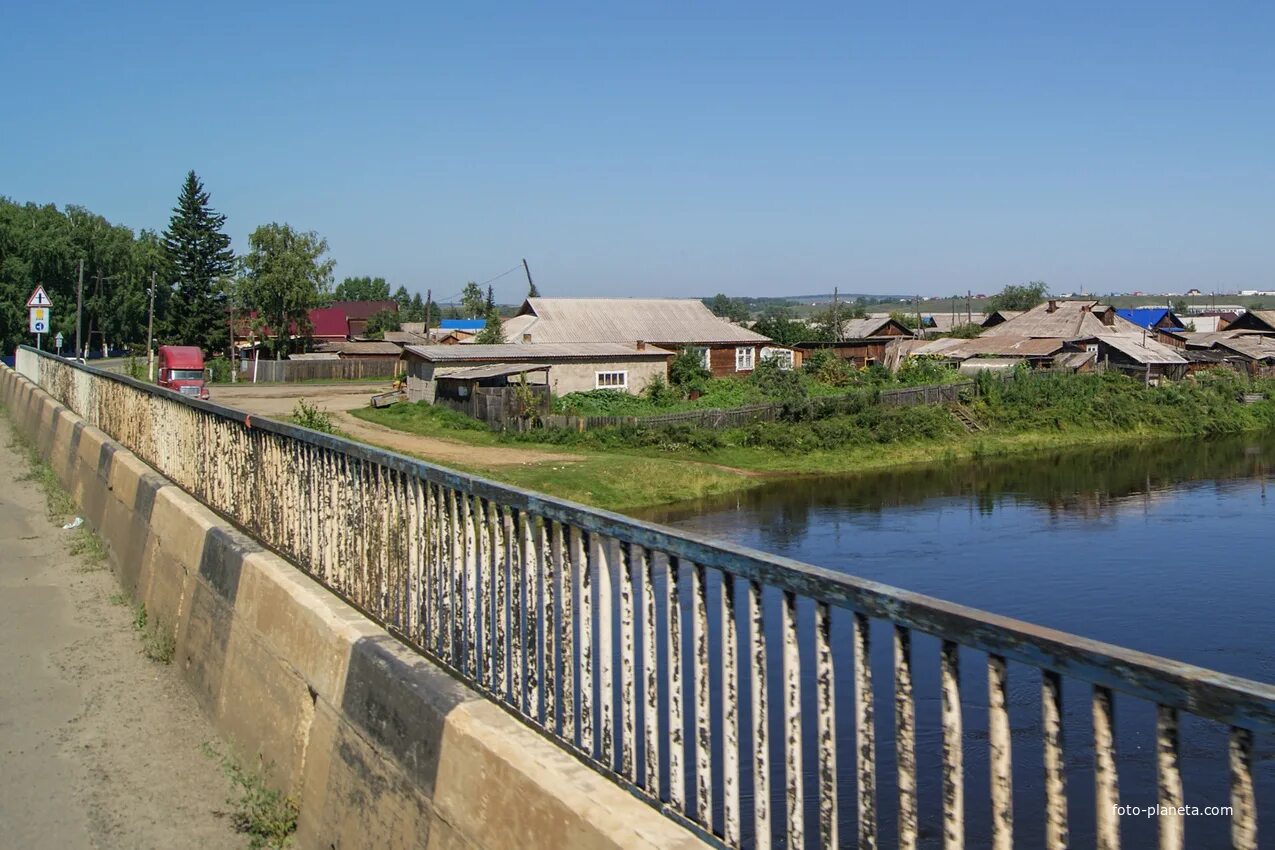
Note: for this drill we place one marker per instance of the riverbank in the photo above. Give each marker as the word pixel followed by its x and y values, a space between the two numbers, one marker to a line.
pixel 630 469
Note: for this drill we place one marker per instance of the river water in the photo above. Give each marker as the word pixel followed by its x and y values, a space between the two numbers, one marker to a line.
pixel 1168 548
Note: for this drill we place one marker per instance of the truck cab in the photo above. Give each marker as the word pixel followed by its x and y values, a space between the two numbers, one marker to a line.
pixel 181 369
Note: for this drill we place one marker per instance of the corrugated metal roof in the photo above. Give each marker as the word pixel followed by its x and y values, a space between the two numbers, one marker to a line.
pixel 989 346
pixel 866 328
pixel 1256 346
pixel 1067 320
pixel 1147 317
pixel 363 348
pixel 1142 348
pixel 493 370
pixel 512 353
pixel 677 321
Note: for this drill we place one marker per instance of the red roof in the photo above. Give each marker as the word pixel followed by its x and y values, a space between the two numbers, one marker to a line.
pixel 329 322
pixel 364 309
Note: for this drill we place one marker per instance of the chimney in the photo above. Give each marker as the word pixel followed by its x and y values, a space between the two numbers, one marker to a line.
pixel 526 337
pixel 641 345
pixel 1053 305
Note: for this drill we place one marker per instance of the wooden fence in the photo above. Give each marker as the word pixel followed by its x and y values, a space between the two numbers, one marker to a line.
pixel 351 369
pixel 499 407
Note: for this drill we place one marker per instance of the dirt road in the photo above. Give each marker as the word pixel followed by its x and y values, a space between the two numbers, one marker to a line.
pixel 100 747
pixel 279 400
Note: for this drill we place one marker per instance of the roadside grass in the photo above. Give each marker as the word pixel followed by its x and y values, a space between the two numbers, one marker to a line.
pixel 158 643
pixel 268 817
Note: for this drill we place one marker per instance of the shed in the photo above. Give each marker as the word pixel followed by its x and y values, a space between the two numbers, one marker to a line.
pixel 1137 354
pixel 568 368
pixel 1261 321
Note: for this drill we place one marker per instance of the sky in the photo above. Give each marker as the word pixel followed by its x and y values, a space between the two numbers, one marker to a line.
pixel 666 149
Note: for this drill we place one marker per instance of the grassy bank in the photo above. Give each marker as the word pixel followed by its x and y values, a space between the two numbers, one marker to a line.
pixel 628 468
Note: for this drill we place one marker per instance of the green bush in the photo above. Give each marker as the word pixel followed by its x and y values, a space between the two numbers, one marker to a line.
pixel 310 416
pixel 686 372
pixel 219 370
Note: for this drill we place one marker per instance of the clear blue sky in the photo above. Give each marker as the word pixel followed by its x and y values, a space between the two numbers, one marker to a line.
pixel 675 149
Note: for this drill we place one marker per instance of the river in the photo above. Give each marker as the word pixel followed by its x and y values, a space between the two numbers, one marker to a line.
pixel 1167 548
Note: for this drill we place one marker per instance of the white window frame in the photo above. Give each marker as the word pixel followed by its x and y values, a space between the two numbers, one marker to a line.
pixel 745 358
pixel 782 356
pixel 702 353
pixel 624 380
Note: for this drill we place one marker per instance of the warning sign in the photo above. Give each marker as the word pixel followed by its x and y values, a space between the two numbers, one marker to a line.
pixel 39 298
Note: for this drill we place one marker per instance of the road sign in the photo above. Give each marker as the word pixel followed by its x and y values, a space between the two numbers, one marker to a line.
pixel 57 340
pixel 39 298
pixel 39 320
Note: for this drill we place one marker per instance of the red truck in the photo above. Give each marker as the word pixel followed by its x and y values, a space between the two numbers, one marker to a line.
pixel 181 369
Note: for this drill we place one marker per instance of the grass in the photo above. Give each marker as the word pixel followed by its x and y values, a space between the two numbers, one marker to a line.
pixel 158 643
pixel 630 468
pixel 268 817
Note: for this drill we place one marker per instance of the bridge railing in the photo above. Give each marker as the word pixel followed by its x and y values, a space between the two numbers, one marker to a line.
pixel 703 676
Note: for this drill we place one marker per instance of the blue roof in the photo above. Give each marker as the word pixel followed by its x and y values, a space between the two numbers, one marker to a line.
pixel 1147 317
pixel 462 324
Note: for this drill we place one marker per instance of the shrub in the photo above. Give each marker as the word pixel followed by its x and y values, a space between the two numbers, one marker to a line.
pixel 310 416
pixel 687 372
pixel 219 370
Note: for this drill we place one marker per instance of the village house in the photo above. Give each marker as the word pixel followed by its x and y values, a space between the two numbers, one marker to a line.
pixel 1139 355
pixel 863 341
pixel 563 367
pixel 1152 318
pixel 1255 321
pixel 667 323
pixel 1064 320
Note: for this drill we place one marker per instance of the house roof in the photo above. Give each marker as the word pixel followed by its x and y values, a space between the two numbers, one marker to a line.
pixel 491 370
pixel 944 322
pixel 313 355
pixel 1003 345
pixel 1142 348
pixel 678 321
pixel 463 324
pixel 330 322
pixel 363 309
pixel 533 352
pixel 1063 320
pixel 996 317
pixel 1254 346
pixel 870 327
pixel 1149 317
pixel 1255 319
pixel 361 348
pixel 406 337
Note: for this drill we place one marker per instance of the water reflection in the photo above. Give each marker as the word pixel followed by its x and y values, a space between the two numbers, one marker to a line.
pixel 1085 484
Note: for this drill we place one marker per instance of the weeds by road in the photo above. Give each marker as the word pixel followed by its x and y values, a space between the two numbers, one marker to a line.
pixel 268 817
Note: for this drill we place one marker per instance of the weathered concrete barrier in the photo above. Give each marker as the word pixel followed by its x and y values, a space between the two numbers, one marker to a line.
pixel 380 747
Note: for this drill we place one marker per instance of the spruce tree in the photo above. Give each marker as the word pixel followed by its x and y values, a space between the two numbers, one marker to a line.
pixel 199 259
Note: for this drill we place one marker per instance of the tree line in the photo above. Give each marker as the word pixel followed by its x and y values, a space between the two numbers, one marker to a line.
pixel 201 288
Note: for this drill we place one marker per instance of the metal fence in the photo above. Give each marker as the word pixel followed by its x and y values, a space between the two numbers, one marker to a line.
pixel 736 691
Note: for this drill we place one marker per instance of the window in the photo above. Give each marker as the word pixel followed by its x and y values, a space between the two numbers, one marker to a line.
pixel 612 381
pixel 781 356
pixel 744 358
pixel 702 354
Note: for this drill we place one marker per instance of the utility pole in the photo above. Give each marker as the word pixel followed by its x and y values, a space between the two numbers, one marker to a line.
pixel 531 285
pixel 79 305
pixel 150 330
pixel 969 306
pixel 836 317
pixel 231 353
pixel 429 308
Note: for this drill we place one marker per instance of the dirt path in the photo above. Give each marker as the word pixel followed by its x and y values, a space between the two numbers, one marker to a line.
pixel 278 400
pixel 446 451
pixel 99 746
